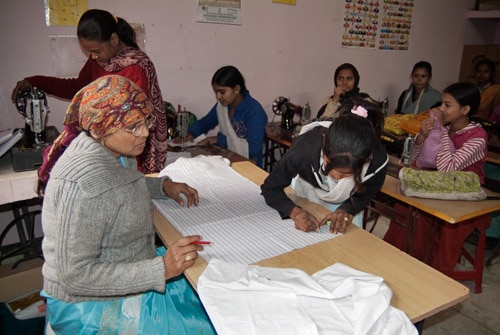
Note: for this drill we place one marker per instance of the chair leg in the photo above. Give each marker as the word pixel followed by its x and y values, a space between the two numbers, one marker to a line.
pixel 369 215
pixel 493 253
pixel 374 223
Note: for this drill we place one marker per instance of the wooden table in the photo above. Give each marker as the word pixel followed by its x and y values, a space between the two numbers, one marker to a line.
pixel 493 157
pixel 451 211
pixel 16 186
pixel 419 290
pixel 211 150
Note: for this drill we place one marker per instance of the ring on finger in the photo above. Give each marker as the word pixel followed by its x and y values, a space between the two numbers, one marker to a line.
pixel 188 258
pixel 346 218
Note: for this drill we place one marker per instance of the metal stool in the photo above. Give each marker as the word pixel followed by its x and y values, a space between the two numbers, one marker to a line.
pixel 24 222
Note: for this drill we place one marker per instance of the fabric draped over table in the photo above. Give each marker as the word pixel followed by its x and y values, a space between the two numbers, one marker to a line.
pixel 248 299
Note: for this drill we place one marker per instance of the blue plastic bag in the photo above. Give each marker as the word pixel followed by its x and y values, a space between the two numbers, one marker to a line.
pixel 178 311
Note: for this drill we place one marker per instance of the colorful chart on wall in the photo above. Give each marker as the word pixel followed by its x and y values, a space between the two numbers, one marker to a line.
pixel 395 27
pixel 64 12
pixel 384 24
pixel 219 11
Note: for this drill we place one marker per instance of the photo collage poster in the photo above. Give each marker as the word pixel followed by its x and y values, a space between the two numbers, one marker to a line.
pixel 385 25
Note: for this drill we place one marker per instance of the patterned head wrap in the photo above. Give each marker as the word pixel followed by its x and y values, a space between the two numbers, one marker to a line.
pixel 102 107
pixel 108 104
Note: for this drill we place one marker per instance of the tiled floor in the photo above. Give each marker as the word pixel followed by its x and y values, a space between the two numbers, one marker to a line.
pixel 478 315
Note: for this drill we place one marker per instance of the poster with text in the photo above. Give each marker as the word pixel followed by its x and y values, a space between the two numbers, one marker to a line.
pixel 219 11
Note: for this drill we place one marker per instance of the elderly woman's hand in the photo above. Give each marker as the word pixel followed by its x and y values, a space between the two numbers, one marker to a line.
pixel 174 191
pixel 181 255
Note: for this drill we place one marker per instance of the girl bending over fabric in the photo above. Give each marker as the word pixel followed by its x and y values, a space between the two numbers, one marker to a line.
pixel 340 165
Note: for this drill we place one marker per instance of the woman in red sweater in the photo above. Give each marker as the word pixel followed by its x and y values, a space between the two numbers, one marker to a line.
pixel 111 44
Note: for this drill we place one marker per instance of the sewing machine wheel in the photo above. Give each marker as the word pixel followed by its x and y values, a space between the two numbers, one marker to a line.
pixel 24 97
pixel 278 105
pixel 20 101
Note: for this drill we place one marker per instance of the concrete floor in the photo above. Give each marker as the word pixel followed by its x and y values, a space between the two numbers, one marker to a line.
pixel 478 315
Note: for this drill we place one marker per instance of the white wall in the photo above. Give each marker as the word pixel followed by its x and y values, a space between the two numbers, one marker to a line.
pixel 282 50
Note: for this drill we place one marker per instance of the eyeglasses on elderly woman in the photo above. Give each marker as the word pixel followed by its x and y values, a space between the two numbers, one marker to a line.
pixel 138 129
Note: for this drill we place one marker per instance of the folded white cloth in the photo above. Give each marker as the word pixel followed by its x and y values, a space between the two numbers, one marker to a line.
pixel 249 299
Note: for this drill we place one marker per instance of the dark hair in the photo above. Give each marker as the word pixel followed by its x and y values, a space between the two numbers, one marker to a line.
pixel 423 65
pixel 350 141
pixel 355 92
pixel 490 65
pixel 467 94
pixel 348 66
pixel 229 76
pixel 375 115
pixel 99 25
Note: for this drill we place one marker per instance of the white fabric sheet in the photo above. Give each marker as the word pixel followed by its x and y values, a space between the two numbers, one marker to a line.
pixel 232 214
pixel 250 300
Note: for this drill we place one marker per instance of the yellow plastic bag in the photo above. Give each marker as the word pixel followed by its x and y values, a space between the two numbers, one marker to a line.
pixel 392 124
pixel 411 125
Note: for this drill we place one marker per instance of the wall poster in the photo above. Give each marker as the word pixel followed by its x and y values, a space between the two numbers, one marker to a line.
pixel 64 12
pixel 384 24
pixel 396 25
pixel 219 11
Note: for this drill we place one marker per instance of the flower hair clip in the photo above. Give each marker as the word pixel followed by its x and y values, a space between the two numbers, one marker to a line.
pixel 360 111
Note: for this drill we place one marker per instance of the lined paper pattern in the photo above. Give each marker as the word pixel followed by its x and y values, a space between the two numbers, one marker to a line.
pixel 232 214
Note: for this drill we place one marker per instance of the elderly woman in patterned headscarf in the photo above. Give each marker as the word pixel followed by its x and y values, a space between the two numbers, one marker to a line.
pixel 102 273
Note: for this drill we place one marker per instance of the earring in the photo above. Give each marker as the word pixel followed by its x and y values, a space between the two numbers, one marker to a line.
pixel 237 92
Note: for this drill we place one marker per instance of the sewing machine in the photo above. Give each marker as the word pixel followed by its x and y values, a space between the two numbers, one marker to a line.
pixel 287 110
pixel 27 154
pixel 32 105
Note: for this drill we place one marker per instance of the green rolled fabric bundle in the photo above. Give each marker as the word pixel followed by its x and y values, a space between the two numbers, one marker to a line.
pixel 453 185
